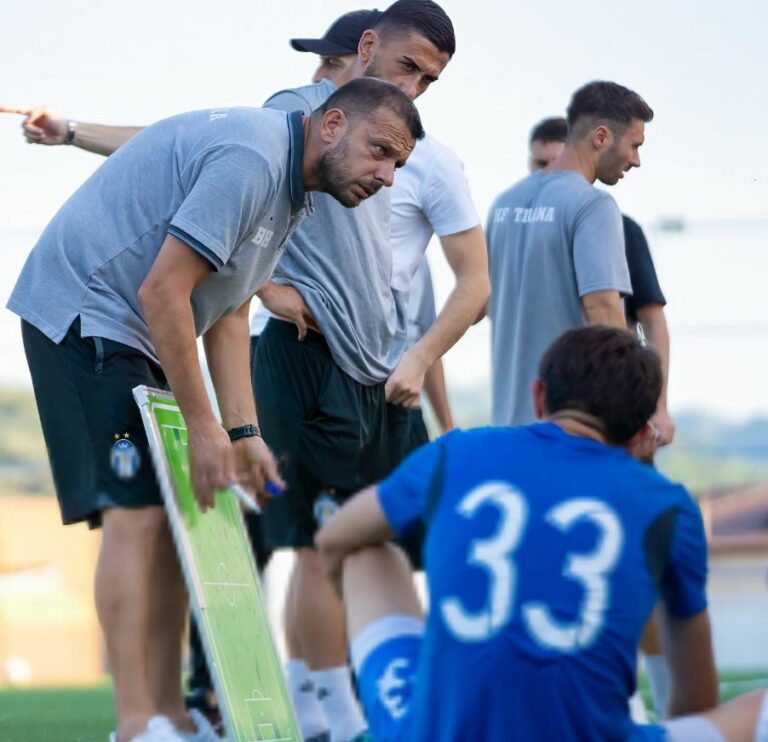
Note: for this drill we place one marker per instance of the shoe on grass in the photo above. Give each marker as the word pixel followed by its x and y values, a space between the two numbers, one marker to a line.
pixel 159 729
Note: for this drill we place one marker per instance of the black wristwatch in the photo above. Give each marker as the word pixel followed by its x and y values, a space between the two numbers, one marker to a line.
pixel 244 431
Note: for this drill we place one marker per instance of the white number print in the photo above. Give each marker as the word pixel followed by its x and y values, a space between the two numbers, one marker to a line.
pixel 495 555
pixel 588 569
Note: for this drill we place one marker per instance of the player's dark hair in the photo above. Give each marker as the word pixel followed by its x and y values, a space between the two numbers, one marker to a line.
pixel 609 103
pixel 359 98
pixel 553 129
pixel 422 17
pixel 604 372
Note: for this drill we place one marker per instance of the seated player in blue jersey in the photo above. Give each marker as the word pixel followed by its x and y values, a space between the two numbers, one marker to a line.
pixel 548 546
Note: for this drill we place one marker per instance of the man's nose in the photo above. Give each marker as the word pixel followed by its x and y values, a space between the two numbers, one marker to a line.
pixel 385 174
pixel 410 86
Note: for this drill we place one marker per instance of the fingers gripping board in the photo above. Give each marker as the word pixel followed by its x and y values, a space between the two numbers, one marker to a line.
pixel 223 586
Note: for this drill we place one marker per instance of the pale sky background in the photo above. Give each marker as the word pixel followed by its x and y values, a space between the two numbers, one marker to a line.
pixel 702 66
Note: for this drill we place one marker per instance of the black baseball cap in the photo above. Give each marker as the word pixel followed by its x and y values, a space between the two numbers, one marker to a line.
pixel 343 35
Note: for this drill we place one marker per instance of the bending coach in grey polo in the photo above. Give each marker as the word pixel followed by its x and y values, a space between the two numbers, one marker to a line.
pixel 552 238
pixel 92 258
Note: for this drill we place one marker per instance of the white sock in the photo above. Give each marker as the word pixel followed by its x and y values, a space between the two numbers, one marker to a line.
pixel 657 673
pixel 309 712
pixel 337 697
pixel 637 709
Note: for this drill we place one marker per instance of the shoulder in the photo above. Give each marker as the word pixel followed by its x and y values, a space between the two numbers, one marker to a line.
pixel 437 155
pixel 516 192
pixel 305 98
pixel 591 202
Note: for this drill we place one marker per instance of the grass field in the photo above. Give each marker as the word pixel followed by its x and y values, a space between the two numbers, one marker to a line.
pixel 86 715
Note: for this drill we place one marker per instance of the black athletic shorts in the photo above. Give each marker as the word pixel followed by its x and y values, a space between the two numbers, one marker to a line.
pixel 417 430
pixel 96 443
pixel 330 434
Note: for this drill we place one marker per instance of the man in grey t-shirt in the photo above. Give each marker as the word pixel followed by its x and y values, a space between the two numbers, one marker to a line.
pixel 167 241
pixel 556 244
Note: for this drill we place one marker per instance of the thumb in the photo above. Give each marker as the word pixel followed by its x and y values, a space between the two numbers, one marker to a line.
pixel 301 326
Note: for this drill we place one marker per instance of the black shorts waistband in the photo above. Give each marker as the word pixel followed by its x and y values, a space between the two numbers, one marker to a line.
pixel 287 331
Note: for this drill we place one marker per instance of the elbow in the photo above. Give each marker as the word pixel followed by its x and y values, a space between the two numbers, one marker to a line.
pixel 482 314
pixel 147 296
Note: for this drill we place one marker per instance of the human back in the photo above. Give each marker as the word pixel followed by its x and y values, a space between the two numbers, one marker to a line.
pixel 546 237
pixel 507 599
pixel 105 238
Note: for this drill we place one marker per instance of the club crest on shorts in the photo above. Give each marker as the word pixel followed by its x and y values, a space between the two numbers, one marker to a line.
pixel 325 507
pixel 124 457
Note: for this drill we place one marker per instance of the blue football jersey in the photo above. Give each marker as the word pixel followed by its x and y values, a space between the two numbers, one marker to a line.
pixel 545 555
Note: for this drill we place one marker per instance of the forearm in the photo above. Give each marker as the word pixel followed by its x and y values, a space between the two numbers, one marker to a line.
pixel 172 328
pixel 101 139
pixel 657 334
pixel 604 308
pixel 688 649
pixel 359 523
pixel 434 386
pixel 459 312
pixel 227 351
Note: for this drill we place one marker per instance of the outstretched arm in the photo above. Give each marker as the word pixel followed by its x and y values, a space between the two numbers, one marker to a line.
pixel 42 126
pixel 466 254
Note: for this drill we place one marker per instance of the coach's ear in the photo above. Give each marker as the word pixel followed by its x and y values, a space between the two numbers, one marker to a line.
pixel 334 125
pixel 539 392
pixel 644 444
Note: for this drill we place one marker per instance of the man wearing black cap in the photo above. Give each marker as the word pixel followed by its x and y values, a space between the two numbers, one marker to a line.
pixel 337 48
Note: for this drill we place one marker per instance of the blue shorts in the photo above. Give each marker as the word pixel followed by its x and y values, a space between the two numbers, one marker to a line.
pixel 385 656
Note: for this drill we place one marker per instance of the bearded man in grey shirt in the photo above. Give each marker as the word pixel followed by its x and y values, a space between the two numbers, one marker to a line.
pixel 166 241
pixel 556 244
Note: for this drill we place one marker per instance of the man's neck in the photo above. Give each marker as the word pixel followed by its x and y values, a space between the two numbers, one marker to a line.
pixel 580 424
pixel 571 158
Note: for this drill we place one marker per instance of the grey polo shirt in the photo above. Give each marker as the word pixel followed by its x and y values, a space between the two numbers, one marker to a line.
pixel 552 239
pixel 228 182
pixel 340 261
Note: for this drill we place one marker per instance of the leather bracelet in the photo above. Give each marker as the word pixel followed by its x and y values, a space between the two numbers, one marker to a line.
pixel 71 128
pixel 244 431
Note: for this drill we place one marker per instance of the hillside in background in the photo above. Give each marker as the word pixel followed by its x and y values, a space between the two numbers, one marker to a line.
pixel 708 452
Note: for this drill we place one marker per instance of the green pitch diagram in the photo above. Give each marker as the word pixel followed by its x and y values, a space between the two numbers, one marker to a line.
pixel 223 585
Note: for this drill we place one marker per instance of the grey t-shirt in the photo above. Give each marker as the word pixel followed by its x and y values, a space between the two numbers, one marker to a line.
pixel 552 238
pixel 228 182
pixel 341 263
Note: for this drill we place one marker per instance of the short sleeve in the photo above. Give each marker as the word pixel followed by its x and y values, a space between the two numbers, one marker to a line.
pixel 447 202
pixel 683 584
pixel 229 185
pixel 598 248
pixel 406 494
pixel 642 272
pixel 289 101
